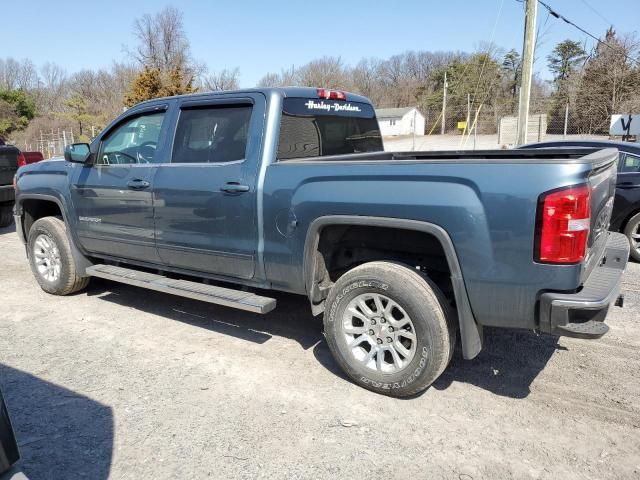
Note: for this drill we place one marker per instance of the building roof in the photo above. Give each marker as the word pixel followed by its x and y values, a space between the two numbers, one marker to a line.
pixel 393 112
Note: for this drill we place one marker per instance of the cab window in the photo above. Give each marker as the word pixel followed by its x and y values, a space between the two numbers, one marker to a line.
pixel 213 134
pixel 134 141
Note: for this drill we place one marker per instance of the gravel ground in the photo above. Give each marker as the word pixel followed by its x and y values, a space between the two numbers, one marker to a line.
pixel 119 382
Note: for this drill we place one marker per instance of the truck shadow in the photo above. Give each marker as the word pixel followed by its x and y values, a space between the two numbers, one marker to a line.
pixel 509 363
pixel 291 319
pixel 61 434
pixel 507 366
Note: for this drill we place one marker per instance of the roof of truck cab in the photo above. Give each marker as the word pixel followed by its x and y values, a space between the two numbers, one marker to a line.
pixel 290 92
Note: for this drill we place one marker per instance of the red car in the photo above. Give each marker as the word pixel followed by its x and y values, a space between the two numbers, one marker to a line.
pixel 28 158
pixel 11 158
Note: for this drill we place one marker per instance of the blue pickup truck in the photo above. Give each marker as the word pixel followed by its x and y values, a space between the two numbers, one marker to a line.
pixel 224 196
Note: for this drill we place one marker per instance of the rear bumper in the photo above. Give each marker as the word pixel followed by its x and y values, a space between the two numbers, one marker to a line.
pixel 582 314
pixel 7 194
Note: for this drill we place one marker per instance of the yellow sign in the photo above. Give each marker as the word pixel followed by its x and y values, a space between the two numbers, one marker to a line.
pixel 462 125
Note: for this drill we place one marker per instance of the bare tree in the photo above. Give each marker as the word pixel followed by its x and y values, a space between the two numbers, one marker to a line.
pixel 364 78
pixel 51 87
pixel 609 81
pixel 286 77
pixel 223 80
pixel 163 43
pixel 270 80
pixel 15 74
pixel 327 72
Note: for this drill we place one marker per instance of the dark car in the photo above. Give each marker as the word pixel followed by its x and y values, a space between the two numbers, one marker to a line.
pixel 11 159
pixel 626 207
pixel 8 446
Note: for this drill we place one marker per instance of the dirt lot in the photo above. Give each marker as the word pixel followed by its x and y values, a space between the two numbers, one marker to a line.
pixel 125 383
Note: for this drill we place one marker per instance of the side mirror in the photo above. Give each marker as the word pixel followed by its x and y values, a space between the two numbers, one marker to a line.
pixel 77 152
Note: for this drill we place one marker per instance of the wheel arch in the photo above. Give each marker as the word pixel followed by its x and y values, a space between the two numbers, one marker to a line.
pixel 43 203
pixel 470 331
pixel 628 216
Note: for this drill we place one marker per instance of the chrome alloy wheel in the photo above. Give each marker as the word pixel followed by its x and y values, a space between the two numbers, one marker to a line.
pixel 47 258
pixel 634 237
pixel 379 333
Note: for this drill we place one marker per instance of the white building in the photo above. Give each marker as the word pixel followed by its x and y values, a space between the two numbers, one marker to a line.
pixel 400 121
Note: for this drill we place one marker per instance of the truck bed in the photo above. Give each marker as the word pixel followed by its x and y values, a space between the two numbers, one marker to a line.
pixel 485 200
pixel 551 155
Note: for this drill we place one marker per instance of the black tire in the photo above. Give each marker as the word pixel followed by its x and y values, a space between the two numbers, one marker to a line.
pixel 427 309
pixel 6 215
pixel 68 281
pixel 631 229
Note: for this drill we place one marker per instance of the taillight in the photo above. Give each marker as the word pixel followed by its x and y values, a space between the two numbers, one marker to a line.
pixel 563 225
pixel 22 161
pixel 331 94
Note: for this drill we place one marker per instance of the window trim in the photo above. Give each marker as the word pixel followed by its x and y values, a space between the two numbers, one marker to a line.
pixel 138 113
pixel 622 162
pixel 204 104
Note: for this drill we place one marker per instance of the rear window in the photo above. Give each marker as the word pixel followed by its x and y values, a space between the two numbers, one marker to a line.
pixel 212 134
pixel 316 128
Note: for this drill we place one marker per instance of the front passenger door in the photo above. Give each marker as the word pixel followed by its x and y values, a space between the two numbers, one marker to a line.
pixel 113 196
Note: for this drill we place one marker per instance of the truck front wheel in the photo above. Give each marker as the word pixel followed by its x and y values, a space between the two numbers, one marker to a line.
pixel 50 258
pixel 389 328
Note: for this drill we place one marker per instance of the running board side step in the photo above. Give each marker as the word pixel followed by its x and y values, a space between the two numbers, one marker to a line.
pixel 198 291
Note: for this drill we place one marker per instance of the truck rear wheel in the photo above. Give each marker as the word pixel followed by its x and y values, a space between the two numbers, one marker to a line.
pixel 6 215
pixel 50 258
pixel 389 328
pixel 632 232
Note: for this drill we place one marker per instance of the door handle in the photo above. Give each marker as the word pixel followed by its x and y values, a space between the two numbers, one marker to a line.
pixel 138 184
pixel 234 187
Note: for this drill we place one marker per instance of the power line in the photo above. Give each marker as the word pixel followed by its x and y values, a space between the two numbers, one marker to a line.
pixel 590 7
pixel 488 54
pixel 566 20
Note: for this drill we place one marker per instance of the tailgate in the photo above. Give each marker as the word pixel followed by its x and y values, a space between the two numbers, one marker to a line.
pixel 602 181
pixel 8 164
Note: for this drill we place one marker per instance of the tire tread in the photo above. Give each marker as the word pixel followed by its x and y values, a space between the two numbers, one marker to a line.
pixel 430 294
pixel 73 281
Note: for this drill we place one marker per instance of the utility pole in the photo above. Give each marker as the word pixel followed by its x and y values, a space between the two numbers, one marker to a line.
pixel 444 104
pixel 527 69
pixel 566 119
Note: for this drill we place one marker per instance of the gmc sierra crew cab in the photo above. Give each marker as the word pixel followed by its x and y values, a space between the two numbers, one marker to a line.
pixel 224 196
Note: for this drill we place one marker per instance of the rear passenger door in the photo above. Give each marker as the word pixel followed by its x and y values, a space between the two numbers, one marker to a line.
pixel 627 199
pixel 205 199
